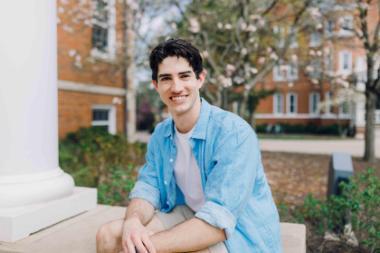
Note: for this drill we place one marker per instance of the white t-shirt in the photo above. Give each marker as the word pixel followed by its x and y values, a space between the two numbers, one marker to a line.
pixel 187 173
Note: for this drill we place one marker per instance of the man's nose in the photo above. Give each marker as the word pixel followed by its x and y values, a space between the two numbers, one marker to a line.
pixel 176 86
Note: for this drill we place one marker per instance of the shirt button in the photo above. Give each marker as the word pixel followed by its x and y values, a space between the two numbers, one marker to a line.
pixel 165 182
pixel 168 203
pixel 171 160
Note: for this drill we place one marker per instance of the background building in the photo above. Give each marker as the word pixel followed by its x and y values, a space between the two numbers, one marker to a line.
pixel 91 65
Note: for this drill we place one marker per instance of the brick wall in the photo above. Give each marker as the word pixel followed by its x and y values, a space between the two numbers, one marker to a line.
pixel 77 64
pixel 75 110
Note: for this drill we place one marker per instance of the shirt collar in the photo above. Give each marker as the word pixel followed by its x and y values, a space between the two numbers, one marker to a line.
pixel 200 127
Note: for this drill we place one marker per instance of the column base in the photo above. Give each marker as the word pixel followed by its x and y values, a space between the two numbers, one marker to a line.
pixel 19 222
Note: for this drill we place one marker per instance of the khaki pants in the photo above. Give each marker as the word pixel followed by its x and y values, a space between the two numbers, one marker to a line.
pixel 181 214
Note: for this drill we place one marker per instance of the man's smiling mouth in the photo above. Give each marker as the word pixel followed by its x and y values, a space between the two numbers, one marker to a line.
pixel 178 98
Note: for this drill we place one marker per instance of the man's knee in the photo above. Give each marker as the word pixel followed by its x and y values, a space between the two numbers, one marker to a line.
pixel 106 240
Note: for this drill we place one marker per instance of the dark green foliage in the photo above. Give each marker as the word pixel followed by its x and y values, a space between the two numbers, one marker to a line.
pixel 96 158
pixel 359 205
pixel 333 129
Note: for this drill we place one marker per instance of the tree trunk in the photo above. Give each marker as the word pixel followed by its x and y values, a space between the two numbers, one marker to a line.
pixel 370 106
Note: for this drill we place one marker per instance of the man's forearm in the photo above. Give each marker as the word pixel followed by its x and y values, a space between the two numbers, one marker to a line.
pixel 140 209
pixel 191 235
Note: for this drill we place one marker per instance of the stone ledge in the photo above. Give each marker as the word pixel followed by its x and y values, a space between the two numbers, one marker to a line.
pixel 77 235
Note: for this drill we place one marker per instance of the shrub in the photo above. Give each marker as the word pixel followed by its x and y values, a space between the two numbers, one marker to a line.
pixel 96 158
pixel 358 205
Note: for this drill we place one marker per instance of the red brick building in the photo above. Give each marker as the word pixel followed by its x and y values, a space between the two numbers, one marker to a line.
pixel 308 78
pixel 90 65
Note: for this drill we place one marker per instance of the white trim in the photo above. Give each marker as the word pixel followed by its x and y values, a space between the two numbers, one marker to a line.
pixel 342 54
pixel 300 116
pixel 111 122
pixel 275 103
pixel 111 43
pixel 90 88
pixel 288 103
pixel 377 117
pixel 328 103
pixel 313 95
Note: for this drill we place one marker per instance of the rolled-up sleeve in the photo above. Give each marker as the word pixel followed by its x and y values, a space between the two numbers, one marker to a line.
pixel 146 186
pixel 231 179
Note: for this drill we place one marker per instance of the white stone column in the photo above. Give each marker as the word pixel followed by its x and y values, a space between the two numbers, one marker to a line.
pixel 30 177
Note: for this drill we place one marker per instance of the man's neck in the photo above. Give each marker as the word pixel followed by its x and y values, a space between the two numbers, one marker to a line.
pixel 185 122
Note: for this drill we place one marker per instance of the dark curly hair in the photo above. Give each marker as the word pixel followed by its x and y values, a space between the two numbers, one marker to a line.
pixel 179 48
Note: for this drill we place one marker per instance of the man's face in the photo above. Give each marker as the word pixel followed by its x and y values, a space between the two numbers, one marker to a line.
pixel 177 85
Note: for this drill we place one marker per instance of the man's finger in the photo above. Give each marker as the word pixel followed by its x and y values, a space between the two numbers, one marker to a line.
pixel 130 246
pixel 140 246
pixel 148 244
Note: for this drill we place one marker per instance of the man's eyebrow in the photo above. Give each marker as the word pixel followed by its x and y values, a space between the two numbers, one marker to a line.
pixel 185 72
pixel 164 75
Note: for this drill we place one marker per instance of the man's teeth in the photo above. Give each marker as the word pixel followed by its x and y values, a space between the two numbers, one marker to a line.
pixel 178 98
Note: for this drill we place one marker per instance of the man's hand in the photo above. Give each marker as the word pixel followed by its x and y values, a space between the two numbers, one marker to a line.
pixel 136 238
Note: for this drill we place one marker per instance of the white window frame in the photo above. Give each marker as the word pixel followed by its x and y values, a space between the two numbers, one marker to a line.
pixel 314 100
pixel 329 32
pixel 110 52
pixel 278 73
pixel 342 58
pixel 346 32
pixel 315 39
pixel 292 68
pixel 341 107
pixel 283 72
pixel 278 103
pixel 328 103
pixel 111 122
pixel 288 105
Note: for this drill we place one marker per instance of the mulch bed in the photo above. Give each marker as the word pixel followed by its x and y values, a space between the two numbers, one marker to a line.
pixel 292 175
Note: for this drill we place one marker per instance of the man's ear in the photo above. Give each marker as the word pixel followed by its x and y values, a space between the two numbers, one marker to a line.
pixel 154 82
pixel 202 76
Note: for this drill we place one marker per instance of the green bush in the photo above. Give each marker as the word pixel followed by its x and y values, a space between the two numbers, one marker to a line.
pixel 359 205
pixel 333 129
pixel 96 158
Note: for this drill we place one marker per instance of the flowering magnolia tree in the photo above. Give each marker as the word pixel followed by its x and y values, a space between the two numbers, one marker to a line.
pixel 242 41
pixel 354 25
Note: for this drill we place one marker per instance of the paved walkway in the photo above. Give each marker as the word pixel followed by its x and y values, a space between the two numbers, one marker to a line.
pixel 355 147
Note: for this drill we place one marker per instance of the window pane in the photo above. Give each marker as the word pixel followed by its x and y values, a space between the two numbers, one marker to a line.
pixel 99 37
pixel 100 114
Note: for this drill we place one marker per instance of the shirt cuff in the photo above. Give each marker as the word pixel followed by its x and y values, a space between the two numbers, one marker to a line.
pixel 217 216
pixel 147 192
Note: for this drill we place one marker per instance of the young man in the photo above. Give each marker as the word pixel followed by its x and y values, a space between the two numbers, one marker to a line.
pixel 203 174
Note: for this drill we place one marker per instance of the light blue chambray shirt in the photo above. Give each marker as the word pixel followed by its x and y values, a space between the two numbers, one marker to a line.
pixel 238 198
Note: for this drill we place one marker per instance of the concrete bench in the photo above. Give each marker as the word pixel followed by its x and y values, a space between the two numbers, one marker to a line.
pixel 77 234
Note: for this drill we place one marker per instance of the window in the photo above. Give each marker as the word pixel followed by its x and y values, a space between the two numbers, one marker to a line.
pixel 278 73
pixel 329 27
pixel 104 116
pixel 278 103
pixel 344 108
pixel 316 73
pixel 315 39
pixel 361 69
pixel 345 62
pixel 291 103
pixel 293 71
pixel 103 28
pixel 346 26
pixel 285 72
pixel 314 103
pixel 328 62
pixel 328 102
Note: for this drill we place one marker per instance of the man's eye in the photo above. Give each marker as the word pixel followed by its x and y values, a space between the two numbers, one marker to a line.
pixel 185 76
pixel 165 78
